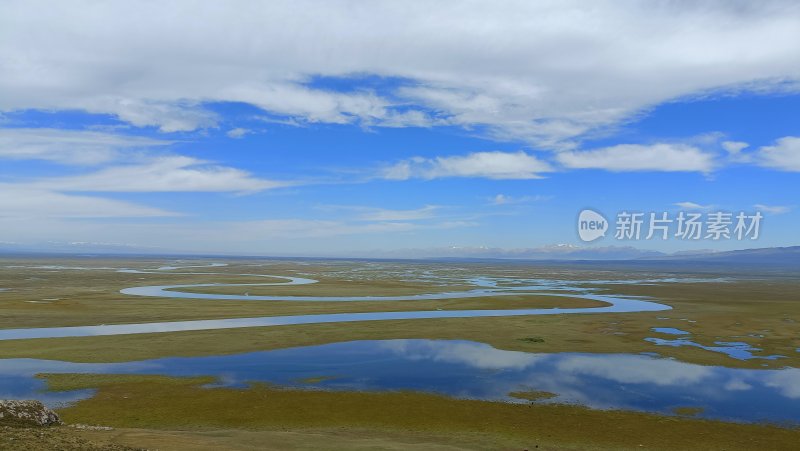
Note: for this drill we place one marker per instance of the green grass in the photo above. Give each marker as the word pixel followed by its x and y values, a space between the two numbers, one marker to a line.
pixel 128 401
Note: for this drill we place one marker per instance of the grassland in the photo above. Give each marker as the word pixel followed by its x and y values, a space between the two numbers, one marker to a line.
pixel 42 297
pixel 138 402
pixel 762 310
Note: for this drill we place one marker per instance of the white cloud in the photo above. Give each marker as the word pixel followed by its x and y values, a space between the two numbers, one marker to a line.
pixel 22 203
pixel 492 165
pixel 311 105
pixel 735 154
pixel 734 147
pixel 693 206
pixel 783 155
pixel 773 209
pixel 128 163
pixel 162 174
pixel 545 72
pixel 78 147
pixel 362 213
pixel 169 116
pixel 636 157
pixel 268 237
pixel 237 132
pixel 503 199
pixel 381 214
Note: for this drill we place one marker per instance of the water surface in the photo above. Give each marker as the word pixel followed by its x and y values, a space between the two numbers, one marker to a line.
pixel 465 369
pixel 735 349
pixel 669 331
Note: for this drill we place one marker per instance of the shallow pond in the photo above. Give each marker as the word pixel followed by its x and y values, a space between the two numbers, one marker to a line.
pixel 466 370
pixel 734 349
pixel 669 331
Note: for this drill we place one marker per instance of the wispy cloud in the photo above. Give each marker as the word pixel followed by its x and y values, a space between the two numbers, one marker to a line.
pixel 503 199
pixel 364 213
pixel 237 133
pixel 267 236
pixel 300 228
pixel 162 174
pixel 734 147
pixel 784 155
pixel 637 157
pixel 693 206
pixel 72 147
pixel 491 165
pixel 26 203
pixel 126 163
pixel 773 209
pixel 426 212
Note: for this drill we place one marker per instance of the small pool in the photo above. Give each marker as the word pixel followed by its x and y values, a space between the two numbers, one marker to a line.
pixel 734 349
pixel 669 331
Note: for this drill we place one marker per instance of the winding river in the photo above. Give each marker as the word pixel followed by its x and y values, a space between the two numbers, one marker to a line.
pixel 486 287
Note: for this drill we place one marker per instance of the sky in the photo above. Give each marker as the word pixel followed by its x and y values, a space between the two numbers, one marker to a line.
pixel 394 128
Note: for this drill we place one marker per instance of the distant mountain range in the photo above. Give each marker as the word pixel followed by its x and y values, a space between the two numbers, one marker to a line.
pixel 749 260
pixel 565 252
pixel 553 252
pixel 766 256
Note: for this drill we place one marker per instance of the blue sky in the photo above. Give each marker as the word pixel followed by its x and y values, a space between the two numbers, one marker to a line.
pixel 399 130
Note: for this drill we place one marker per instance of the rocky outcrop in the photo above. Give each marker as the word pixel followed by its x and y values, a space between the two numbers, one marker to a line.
pixel 26 413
